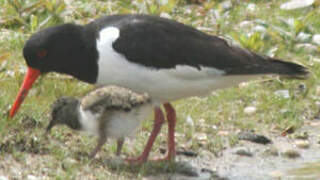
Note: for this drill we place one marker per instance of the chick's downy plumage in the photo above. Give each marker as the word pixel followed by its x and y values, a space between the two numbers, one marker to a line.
pixel 108 112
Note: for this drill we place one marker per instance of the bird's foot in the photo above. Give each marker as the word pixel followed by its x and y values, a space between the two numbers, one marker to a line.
pixel 170 157
pixel 137 160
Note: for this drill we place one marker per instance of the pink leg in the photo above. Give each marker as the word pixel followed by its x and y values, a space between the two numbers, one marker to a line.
pixel 158 121
pixel 171 118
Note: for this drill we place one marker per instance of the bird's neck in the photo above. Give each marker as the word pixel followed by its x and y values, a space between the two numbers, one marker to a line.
pixel 87 62
pixel 81 55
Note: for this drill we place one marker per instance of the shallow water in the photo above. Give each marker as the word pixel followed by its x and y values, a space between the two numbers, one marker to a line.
pixel 310 171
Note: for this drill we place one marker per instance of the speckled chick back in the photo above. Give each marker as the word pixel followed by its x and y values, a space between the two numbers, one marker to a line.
pixel 113 98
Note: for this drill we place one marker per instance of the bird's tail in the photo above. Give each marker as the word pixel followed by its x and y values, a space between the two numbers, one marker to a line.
pixel 285 68
pixel 267 65
pixel 288 68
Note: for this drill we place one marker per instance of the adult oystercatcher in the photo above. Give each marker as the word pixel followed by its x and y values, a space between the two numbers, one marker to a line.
pixel 108 112
pixel 166 59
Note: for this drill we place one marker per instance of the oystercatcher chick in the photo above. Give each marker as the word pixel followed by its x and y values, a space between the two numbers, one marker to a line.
pixel 164 58
pixel 108 112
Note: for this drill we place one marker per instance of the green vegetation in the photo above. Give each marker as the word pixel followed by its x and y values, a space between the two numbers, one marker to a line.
pixel 269 30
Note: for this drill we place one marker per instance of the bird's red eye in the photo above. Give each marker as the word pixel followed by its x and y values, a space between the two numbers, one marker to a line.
pixel 41 53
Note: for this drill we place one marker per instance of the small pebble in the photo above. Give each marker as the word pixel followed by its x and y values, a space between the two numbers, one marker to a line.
pixel 201 136
pixel 189 121
pixel 251 7
pixel 68 163
pixel 284 93
pixel 226 5
pixel 243 151
pixel 165 15
pixel 316 39
pixel 252 137
pixel 163 2
pixel 260 29
pixel 276 174
pixel 250 110
pixel 272 151
pixel 303 37
pixel 318 90
pixel 32 177
pixel 303 144
pixel 296 4
pixel 308 47
pixel 290 153
pixel 223 133
pixel 246 24
pixel 304 135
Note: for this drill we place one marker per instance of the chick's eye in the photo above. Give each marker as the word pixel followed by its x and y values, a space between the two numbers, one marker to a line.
pixel 42 53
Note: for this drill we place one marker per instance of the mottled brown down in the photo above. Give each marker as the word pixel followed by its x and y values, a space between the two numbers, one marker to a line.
pixel 113 97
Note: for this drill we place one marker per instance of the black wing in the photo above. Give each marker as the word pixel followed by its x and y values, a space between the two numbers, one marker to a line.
pixel 162 43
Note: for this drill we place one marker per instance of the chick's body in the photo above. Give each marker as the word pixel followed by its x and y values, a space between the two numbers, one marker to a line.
pixel 108 112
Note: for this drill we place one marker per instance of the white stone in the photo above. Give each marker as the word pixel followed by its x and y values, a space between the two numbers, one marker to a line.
pixel 308 47
pixel 190 120
pixel 201 136
pixel 303 37
pixel 251 7
pixel 284 93
pixel 290 22
pixel 32 177
pixel 226 5
pixel 250 110
pixel 163 2
pixel 260 28
pixel 246 24
pixel 276 174
pixel 10 73
pixel 316 39
pixel 3 178
pixel 283 111
pixel 165 15
pixel 303 144
pixel 296 4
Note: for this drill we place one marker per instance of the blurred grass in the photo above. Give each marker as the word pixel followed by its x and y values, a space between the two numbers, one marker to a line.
pixel 221 111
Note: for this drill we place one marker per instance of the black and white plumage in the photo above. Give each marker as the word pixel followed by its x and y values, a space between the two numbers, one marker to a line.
pixel 108 112
pixel 171 59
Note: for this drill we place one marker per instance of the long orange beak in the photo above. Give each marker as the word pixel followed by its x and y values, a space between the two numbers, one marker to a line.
pixel 31 76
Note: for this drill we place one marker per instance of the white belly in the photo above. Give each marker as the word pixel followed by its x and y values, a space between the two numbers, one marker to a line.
pixel 162 85
pixel 120 124
pixel 125 124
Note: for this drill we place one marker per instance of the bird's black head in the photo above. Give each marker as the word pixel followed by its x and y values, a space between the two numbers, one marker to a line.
pixel 66 48
pixel 65 112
